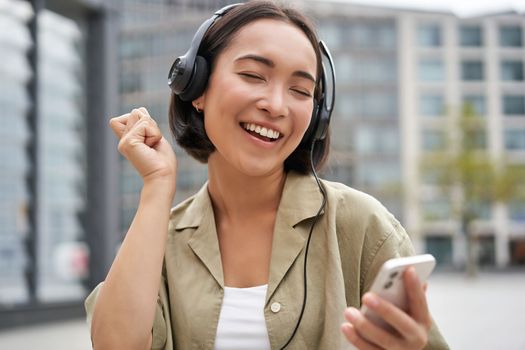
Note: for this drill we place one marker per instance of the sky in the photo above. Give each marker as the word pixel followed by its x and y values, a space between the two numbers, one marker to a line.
pixel 459 7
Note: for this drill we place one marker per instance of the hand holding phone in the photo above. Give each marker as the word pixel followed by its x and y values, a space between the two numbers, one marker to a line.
pixel 389 283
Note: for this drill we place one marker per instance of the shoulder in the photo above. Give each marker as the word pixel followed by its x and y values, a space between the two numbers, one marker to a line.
pixel 362 219
pixel 357 207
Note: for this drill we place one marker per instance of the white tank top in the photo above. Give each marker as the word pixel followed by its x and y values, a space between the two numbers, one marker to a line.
pixel 241 321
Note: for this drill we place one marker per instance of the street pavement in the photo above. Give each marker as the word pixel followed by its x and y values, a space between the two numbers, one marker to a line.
pixel 486 313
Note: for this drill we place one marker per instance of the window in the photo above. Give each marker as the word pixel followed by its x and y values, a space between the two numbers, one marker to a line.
pixel 377 140
pixel 377 175
pixel 436 209
pixel 472 70
pixel 486 251
pixel 512 70
pixel 510 36
pixel 433 140
pixel 431 105
pixel 470 36
pixel 372 104
pixel 514 105
pixel 441 248
pixel 429 35
pixel 517 251
pixel 477 102
pixel 514 139
pixel 431 70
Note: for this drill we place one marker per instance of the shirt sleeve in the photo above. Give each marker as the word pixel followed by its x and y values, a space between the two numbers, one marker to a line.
pixel 398 244
pixel 160 330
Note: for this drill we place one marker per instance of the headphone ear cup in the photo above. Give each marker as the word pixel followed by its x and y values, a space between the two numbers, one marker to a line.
pixel 198 80
pixel 311 131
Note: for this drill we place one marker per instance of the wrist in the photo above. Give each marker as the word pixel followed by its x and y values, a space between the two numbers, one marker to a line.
pixel 159 188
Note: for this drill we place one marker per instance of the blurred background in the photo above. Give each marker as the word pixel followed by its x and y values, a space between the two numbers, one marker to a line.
pixel 430 119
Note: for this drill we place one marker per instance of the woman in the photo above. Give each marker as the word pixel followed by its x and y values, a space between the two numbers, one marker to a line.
pixel 230 268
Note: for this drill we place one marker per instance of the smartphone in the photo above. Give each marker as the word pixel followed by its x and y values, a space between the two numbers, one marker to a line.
pixel 389 283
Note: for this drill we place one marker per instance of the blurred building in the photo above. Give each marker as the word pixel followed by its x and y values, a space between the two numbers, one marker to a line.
pixel 66 194
pixel 400 73
pixel 55 96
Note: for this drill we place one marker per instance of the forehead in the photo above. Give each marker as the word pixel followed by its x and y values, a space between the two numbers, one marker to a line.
pixel 277 40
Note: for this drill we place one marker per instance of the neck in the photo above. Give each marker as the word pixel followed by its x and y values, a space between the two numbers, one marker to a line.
pixel 237 196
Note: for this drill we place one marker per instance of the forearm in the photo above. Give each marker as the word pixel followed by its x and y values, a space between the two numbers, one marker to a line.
pixel 125 309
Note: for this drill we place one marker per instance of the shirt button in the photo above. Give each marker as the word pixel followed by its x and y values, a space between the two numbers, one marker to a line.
pixel 276 307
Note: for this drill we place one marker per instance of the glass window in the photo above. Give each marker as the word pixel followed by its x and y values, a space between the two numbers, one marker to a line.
pixel 486 250
pixel 378 140
pixel 515 139
pixel 514 105
pixel 377 175
pixel 373 104
pixel 477 102
pixel 470 36
pixel 433 140
pixel 517 248
pixel 431 105
pixel 429 35
pixel 517 210
pixel 15 198
pixel 441 248
pixel 436 209
pixel 472 70
pixel 62 261
pixel 510 36
pixel 431 70
pixel 512 70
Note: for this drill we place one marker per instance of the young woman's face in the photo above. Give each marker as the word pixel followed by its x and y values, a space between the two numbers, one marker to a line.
pixel 259 98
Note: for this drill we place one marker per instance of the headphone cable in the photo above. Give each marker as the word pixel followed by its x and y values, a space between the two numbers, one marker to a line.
pixel 305 285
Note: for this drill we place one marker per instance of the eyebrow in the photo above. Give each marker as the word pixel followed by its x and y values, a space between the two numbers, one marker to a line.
pixel 271 64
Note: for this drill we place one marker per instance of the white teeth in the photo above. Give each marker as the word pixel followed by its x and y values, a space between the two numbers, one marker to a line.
pixel 261 130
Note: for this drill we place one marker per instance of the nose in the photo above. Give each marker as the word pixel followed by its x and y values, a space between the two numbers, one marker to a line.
pixel 274 101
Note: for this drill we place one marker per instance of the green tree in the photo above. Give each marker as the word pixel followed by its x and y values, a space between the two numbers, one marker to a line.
pixel 466 172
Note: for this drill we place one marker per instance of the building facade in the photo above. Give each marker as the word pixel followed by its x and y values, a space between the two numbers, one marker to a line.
pixel 56 183
pixel 416 69
pixel 400 73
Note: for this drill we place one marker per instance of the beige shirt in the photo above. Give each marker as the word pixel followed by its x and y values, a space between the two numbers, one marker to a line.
pixel 353 237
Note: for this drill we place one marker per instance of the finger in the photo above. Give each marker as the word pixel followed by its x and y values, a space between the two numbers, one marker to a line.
pixel 144 111
pixel 425 287
pixel 118 124
pixel 134 117
pixel 353 337
pixel 145 131
pixel 369 331
pixel 393 315
pixel 417 300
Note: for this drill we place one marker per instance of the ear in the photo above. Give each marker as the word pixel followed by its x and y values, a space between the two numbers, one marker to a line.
pixel 199 102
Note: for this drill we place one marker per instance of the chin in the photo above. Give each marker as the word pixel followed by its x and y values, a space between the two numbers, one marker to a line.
pixel 258 169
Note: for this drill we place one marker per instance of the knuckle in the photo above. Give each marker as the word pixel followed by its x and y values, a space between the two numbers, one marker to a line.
pixel 123 145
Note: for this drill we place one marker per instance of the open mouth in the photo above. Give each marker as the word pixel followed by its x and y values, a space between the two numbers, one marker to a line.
pixel 262 133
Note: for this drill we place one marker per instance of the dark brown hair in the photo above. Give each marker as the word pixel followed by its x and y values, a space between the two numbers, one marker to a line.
pixel 187 125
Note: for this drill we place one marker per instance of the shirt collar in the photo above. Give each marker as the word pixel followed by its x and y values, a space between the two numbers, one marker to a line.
pixel 301 200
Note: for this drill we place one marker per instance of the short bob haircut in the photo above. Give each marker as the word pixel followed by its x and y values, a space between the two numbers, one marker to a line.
pixel 187 125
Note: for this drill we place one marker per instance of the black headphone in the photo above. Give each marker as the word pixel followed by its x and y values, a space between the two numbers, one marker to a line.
pixel 189 73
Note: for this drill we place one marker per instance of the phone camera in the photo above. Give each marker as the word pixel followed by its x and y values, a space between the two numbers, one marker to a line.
pixel 388 285
pixel 394 274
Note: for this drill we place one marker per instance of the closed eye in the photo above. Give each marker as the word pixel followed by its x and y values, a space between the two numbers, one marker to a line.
pixel 301 92
pixel 251 76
